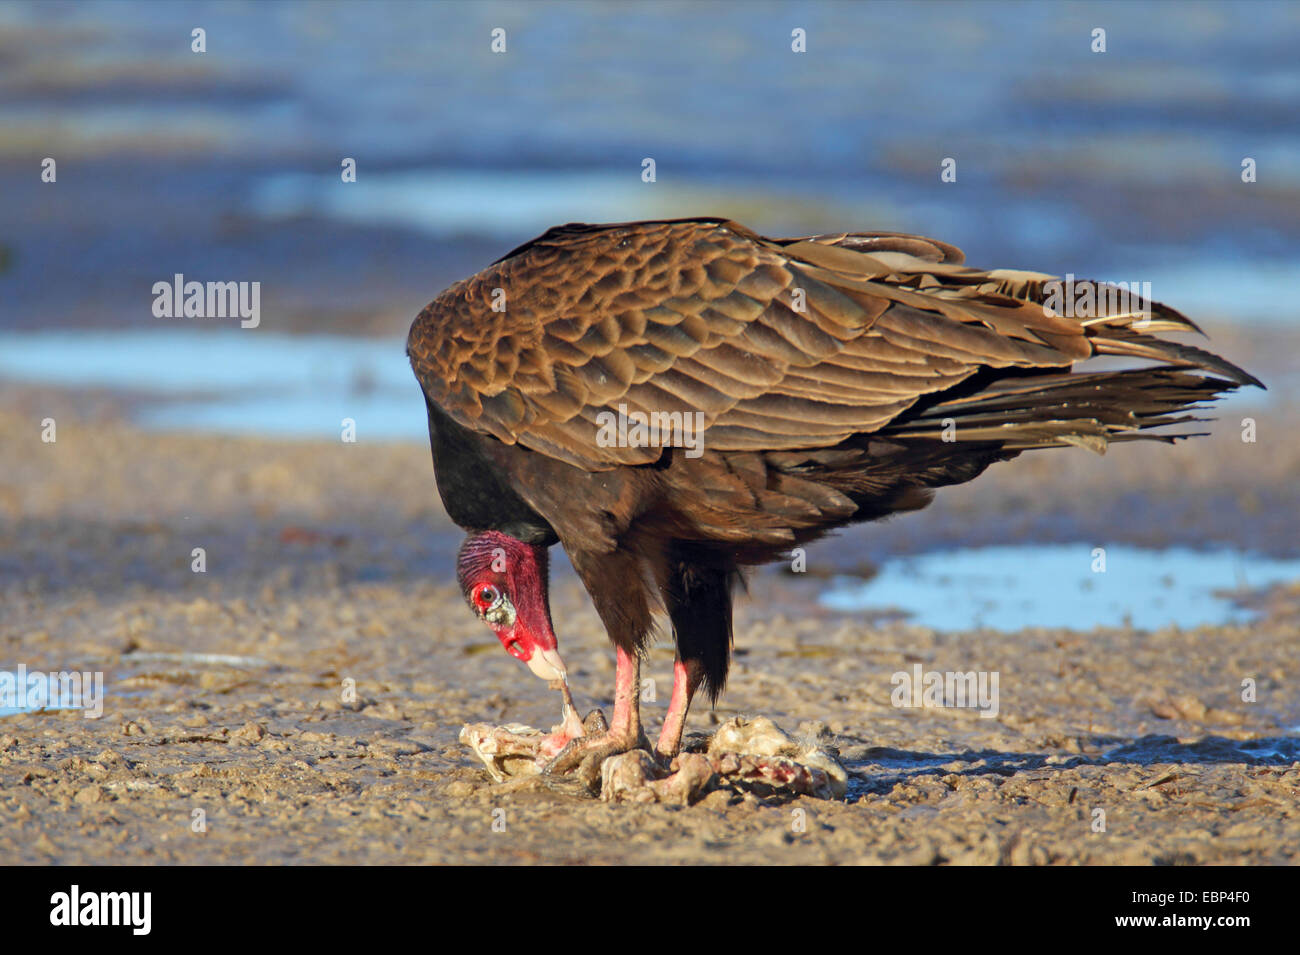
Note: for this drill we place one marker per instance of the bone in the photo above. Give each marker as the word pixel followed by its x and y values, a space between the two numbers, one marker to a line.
pixel 762 737
pixel 637 777
pixel 510 750
pixel 743 755
pixel 758 737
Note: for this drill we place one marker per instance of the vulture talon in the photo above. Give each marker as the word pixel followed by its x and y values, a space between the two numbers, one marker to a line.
pixel 566 759
pixel 589 770
pixel 755 426
pixel 586 754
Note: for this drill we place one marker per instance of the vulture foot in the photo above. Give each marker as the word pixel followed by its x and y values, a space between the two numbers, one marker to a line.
pixel 587 754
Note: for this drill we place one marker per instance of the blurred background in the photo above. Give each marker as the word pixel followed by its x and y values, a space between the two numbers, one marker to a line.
pixel 225 165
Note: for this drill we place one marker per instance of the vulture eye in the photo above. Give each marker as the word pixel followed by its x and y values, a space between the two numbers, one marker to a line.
pixel 485 596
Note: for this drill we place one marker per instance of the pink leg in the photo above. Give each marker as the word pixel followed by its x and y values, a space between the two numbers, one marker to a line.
pixel 670 737
pixel 627 680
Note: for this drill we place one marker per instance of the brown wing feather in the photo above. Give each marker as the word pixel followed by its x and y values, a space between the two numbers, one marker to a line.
pixel 782 344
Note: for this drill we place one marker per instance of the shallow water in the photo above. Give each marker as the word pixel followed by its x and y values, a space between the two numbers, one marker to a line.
pixel 233 382
pixel 1008 588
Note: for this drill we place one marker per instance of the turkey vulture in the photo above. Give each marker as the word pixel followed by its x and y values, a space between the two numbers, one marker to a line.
pixel 802 384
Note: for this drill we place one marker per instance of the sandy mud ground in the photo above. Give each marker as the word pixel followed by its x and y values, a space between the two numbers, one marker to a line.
pixel 333 562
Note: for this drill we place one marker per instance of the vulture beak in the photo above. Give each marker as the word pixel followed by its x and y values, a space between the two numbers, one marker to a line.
pixel 528 637
pixel 548 664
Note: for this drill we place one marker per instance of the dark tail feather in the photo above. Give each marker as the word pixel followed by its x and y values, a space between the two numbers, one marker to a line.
pixel 1050 408
pixel 697 596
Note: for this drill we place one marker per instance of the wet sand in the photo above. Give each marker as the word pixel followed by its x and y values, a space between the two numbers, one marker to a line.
pixel 330 562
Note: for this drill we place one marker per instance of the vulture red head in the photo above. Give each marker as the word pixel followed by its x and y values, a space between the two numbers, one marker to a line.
pixel 505 582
